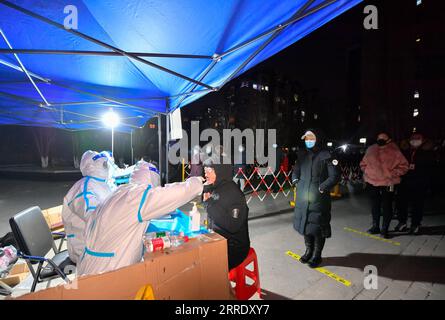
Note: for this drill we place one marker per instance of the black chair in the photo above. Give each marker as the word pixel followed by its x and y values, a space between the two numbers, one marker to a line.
pixel 35 240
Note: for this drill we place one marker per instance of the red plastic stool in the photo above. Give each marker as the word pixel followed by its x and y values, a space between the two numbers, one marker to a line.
pixel 238 275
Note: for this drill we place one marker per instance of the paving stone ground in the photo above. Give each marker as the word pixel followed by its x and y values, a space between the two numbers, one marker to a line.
pixel 412 270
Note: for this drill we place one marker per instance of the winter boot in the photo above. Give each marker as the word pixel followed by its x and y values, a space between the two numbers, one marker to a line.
pixel 318 249
pixel 374 229
pixel 309 242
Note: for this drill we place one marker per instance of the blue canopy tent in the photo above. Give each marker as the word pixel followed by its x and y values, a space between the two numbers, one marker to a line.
pixel 140 58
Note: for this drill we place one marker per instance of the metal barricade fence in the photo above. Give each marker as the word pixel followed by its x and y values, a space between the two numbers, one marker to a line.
pixel 261 182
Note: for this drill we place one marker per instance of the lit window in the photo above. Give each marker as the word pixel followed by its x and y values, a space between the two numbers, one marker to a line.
pixel 359 119
pixel 418 40
pixel 329 144
pixel 315 116
pixel 255 86
pixel 303 113
pixel 416 112
pixel 419 2
pixel 416 95
pixel 267 88
pixel 296 97
pixel 363 140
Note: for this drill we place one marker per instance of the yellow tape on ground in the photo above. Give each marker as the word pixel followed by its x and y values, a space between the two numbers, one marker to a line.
pixel 324 271
pixel 372 236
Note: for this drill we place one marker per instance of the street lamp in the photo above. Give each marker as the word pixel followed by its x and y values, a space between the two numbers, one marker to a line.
pixel 111 120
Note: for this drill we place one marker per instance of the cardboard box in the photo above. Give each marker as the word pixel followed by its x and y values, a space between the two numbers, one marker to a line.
pixel 53 217
pixel 195 271
pixel 16 275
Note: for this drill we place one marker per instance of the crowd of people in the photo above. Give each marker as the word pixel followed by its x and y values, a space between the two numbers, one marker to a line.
pixel 105 224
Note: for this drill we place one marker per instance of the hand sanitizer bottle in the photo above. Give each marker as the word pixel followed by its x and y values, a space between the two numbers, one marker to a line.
pixel 195 218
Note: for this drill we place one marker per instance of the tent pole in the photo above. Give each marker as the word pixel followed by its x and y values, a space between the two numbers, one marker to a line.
pixel 102 53
pixel 159 144
pixel 132 151
pixel 167 138
pixel 24 69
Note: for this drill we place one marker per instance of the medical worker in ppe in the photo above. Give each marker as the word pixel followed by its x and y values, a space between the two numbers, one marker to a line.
pixel 113 236
pixel 83 198
pixel 116 173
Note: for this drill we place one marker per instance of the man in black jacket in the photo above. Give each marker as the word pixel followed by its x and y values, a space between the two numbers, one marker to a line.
pixel 227 210
pixel 315 174
pixel 412 191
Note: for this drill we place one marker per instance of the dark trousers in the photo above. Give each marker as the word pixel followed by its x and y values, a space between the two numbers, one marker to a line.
pixel 411 195
pixel 381 204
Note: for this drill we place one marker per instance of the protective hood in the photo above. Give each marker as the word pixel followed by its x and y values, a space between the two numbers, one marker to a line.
pixel 145 174
pixel 93 164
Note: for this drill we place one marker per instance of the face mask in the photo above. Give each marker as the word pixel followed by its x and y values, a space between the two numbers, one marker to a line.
pixel 309 143
pixel 381 142
pixel 416 143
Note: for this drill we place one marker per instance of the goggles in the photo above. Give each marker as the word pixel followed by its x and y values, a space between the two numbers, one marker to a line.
pixel 98 156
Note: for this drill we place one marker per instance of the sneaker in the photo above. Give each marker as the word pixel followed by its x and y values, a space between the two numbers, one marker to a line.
pixel 414 230
pixel 385 234
pixel 374 230
pixel 400 227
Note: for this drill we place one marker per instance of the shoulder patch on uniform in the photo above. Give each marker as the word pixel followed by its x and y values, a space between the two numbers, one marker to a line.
pixel 335 162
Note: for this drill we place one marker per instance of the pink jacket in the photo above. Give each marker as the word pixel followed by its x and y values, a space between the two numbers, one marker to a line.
pixel 383 166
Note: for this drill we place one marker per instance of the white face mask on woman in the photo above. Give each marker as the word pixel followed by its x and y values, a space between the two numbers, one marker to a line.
pixel 415 143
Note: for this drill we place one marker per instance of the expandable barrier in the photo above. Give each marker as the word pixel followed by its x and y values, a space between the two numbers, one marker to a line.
pixel 261 182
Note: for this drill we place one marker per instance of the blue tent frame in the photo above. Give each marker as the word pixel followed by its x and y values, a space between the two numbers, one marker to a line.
pixel 195 87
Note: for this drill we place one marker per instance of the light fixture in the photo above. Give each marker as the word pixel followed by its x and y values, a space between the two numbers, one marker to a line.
pixel 363 140
pixel 330 144
pixel 344 147
pixel 111 119
pixel 416 95
pixel 415 113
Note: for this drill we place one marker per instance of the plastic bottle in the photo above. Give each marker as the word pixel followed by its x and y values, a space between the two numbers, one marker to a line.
pixel 195 219
pixel 161 243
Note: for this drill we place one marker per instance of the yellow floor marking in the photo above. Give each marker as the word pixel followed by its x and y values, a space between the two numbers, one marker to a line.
pixel 323 271
pixel 372 236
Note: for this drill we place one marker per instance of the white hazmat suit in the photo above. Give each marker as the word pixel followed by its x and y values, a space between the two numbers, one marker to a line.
pixel 113 237
pixel 82 199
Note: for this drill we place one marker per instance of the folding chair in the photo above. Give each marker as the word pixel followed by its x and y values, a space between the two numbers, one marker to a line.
pixel 35 240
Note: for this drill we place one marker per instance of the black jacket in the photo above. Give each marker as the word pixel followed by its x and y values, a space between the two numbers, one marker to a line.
pixel 314 170
pixel 227 214
pixel 421 167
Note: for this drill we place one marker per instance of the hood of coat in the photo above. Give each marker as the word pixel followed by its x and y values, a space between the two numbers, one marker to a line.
pixel 145 173
pixel 94 164
pixel 320 139
pixel 224 172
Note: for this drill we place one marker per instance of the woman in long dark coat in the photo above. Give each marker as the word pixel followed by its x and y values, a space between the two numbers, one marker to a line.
pixel 315 173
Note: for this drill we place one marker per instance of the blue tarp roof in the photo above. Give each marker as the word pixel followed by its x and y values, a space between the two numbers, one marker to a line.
pixel 220 39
